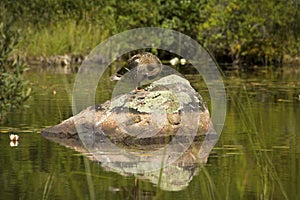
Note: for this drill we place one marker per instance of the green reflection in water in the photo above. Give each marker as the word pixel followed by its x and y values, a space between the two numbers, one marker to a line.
pixel 256 157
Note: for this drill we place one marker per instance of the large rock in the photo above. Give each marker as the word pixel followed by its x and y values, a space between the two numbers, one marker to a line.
pixel 168 110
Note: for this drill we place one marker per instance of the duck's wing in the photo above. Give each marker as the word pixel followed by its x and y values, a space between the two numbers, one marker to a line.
pixel 153 70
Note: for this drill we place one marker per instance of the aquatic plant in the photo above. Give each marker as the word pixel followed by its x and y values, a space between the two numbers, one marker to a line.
pixel 13 88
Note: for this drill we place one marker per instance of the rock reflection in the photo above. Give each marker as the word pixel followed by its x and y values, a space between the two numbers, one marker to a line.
pixel 175 176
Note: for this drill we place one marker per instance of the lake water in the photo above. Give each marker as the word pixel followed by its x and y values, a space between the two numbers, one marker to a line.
pixel 256 157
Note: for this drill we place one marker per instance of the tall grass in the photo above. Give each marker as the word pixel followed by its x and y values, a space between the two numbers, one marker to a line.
pixel 267 175
pixel 61 38
pixel 244 168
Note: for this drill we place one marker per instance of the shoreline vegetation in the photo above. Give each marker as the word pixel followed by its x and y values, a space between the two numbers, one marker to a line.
pixel 237 33
pixel 240 33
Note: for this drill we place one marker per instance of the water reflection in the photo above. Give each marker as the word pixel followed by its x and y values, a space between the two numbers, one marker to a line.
pixel 244 164
pixel 172 177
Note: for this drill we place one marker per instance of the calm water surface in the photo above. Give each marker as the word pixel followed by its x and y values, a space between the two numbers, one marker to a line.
pixel 256 157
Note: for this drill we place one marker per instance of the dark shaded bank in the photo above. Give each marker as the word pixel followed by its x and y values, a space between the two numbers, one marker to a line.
pixel 75 60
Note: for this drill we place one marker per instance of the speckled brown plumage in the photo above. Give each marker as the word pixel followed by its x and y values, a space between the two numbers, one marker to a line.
pixel 146 66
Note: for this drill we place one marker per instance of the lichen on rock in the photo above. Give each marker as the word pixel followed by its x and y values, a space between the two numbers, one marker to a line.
pixel 153 101
pixel 170 93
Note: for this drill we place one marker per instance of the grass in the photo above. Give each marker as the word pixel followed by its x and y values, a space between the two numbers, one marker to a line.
pixel 266 171
pixel 244 168
pixel 61 38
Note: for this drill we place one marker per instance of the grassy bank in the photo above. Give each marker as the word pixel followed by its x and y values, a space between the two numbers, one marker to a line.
pixel 240 32
pixel 67 37
pixel 71 37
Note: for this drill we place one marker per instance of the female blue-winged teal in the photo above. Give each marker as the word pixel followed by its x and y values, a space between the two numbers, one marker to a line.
pixel 146 66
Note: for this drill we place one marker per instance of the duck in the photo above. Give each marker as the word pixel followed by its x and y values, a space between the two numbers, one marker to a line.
pixel 146 66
